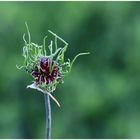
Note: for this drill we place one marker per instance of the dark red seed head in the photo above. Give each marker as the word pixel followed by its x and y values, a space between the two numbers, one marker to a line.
pixel 47 72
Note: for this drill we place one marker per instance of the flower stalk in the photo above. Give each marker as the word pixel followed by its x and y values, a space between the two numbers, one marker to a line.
pixel 48 116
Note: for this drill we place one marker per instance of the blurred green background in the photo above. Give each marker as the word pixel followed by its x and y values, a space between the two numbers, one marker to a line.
pixel 101 97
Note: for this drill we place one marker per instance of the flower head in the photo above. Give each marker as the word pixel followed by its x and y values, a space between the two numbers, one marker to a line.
pixel 48 68
pixel 46 72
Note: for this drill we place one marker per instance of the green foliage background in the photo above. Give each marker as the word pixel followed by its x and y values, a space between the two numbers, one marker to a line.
pixel 101 97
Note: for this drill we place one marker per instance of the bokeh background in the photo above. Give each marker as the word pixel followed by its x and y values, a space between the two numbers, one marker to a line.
pixel 101 97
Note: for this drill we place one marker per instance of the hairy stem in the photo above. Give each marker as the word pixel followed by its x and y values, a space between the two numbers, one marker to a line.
pixel 48 116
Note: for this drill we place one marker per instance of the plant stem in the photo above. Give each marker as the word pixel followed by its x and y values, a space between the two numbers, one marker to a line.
pixel 48 116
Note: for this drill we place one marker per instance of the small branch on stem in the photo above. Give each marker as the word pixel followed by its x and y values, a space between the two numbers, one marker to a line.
pixel 48 116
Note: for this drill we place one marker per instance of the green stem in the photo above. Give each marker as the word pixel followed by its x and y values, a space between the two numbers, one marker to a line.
pixel 48 116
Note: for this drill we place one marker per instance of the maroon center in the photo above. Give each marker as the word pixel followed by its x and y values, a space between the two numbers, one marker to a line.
pixel 46 72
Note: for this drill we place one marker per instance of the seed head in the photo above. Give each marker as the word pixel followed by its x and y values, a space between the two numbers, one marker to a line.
pixel 48 68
